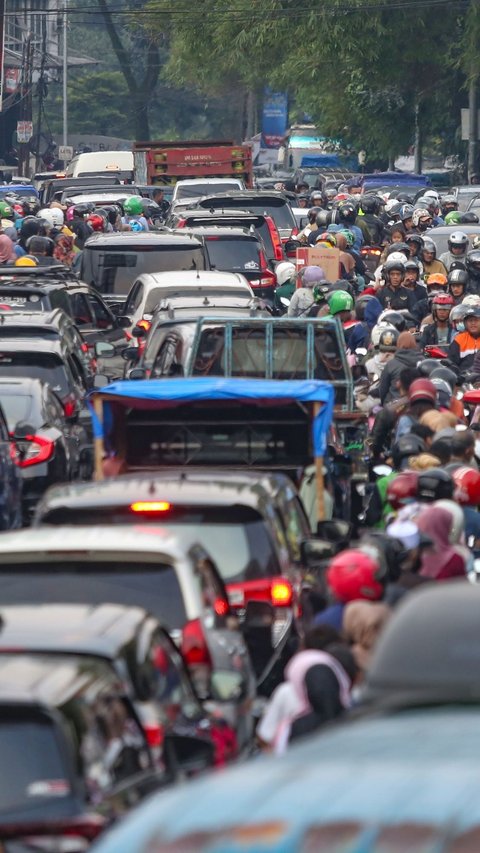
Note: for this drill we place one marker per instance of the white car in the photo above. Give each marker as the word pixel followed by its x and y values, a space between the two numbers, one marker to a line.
pixel 198 187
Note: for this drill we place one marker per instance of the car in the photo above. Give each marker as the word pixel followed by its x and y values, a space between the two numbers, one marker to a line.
pixel 464 194
pixel 97 324
pixel 441 233
pixel 271 203
pixel 198 187
pixel 99 197
pixel 49 449
pixel 10 479
pixel 263 225
pixel 113 262
pixel 237 250
pixel 135 647
pixel 145 566
pixel 56 183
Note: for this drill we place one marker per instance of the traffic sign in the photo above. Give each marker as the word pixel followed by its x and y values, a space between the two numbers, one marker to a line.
pixel 24 131
pixel 65 152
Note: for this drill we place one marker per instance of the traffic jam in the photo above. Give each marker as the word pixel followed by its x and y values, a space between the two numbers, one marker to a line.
pixel 239 490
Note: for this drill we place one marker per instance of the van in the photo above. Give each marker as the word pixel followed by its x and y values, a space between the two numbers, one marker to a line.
pixel 95 162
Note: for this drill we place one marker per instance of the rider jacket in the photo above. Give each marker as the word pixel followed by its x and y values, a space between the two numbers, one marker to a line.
pixel 430 335
pixel 463 349
pixel 375 227
pixel 396 298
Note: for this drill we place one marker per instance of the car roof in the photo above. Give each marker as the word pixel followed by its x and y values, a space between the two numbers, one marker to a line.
pixel 99 629
pixel 22 386
pixel 411 770
pixel 203 213
pixel 28 343
pixel 249 194
pixel 192 278
pixel 207 486
pixel 442 230
pixel 136 240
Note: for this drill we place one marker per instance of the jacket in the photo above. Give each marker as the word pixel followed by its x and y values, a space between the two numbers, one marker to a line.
pixel 447 259
pixel 463 349
pixel 432 268
pixel 430 337
pixel 397 298
pixel 403 358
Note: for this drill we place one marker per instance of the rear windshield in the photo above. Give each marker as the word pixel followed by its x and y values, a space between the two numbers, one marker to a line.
pixel 154 586
pixel 197 190
pixel 115 270
pixel 278 209
pixel 16 408
pixel 232 255
pixel 20 301
pixel 36 772
pixel 36 365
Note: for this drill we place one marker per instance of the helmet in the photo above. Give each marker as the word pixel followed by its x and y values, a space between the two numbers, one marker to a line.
pixel 405 197
pixel 444 392
pixel 427 366
pixel 53 215
pixel 360 305
pixel 96 221
pixel 320 291
pixel 429 246
pixel 347 212
pixel 353 575
pixel 312 214
pixel 468 218
pixel 393 318
pixel 420 214
pixel 472 263
pixel 316 194
pixel 26 261
pixel 472 311
pixel 414 238
pixel 471 299
pixel 326 237
pixel 349 237
pixel 407 445
pixel 40 244
pixel 377 332
pixel 475 241
pixel 397 249
pixel 340 300
pixel 323 217
pixel 133 205
pixel 437 279
pixel 458 240
pixel 394 266
pixel 443 300
pixel 402 489
pixel 369 203
pixel 6 211
pixel 467 486
pixel 457 314
pixel 405 212
pixel 284 272
pixel 448 376
pixel 422 389
pixel 83 209
pixel 312 275
pixel 433 195
pixel 388 340
pixel 458 277
pixel 412 264
pixel 449 201
pixel 434 485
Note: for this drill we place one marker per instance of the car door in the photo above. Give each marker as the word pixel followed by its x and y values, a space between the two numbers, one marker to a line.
pixel 55 417
pixel 167 362
pixel 10 480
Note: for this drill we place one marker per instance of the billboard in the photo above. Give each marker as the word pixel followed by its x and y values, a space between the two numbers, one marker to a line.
pixel 274 119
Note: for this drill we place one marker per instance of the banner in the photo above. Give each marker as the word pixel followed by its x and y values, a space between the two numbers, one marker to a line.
pixel 2 48
pixel 274 119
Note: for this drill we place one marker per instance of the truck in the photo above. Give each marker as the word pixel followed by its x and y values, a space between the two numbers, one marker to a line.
pixel 165 163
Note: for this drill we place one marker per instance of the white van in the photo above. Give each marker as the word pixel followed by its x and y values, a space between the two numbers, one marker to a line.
pixel 97 162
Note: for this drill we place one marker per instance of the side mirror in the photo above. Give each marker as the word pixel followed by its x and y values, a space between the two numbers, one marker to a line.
pixel 100 380
pixel 137 373
pixel 315 551
pixel 187 754
pixel 124 322
pixel 285 301
pixel 131 353
pixel 22 429
pixel 227 686
pixel 139 332
pixel 335 530
pixel 104 349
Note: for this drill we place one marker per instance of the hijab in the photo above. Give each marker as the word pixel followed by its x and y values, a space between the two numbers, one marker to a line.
pixel 363 621
pixel 7 252
pixel 436 522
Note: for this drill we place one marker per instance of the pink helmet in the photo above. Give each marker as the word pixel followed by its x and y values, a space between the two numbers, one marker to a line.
pixel 69 213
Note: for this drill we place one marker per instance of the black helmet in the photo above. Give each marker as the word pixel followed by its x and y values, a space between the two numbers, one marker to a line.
pixel 323 218
pixel 469 218
pixel 398 247
pixel 44 245
pixel 457 265
pixel 458 277
pixel 360 305
pixel 429 246
pixel 412 264
pixel 312 214
pixel 393 266
pixel 388 340
pixel 394 318
pixel 369 203
pixel 83 209
pixel 434 485
pixel 347 212
pixel 414 238
pixel 407 445
pixel 427 366
pixel 448 376
pixel 472 263
pixel 405 197
pixel 405 212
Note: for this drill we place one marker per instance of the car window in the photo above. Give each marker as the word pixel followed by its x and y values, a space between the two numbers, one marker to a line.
pixel 36 365
pixel 167 358
pixel 233 255
pixel 60 299
pixel 197 190
pixel 134 298
pixel 81 310
pixel 214 598
pixel 113 271
pixel 164 669
pixel 17 407
pixel 103 318
pixel 76 371
pixel 53 408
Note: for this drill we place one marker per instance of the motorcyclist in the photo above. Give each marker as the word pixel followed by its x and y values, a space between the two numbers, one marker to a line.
pixel 405 215
pixel 415 245
pixel 393 294
pixel 370 207
pixel 472 265
pixel 457 249
pixel 346 215
pixel 406 355
pixel 448 203
pixel 428 257
pixel 310 226
pixel 319 308
pixel 464 346
pixel 439 331
pixel 286 284
pixel 302 299
pixel 436 283
pixel 134 214
pixel 412 279
pixel 457 284
pixel 340 304
pixel 421 220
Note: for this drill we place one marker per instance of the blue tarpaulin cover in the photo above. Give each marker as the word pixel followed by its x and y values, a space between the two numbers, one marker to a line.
pixel 160 393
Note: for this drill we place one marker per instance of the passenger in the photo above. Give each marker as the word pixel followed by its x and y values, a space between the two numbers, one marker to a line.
pixel 406 355
pixel 302 299
pixel 363 622
pixel 442 560
pixel 7 251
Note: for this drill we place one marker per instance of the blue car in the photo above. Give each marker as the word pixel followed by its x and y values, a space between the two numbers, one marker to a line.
pixel 383 783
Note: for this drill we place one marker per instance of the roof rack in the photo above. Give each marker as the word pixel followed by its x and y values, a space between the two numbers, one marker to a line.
pixel 57 271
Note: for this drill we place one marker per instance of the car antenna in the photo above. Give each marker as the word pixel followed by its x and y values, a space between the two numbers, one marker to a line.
pixel 151 488
pixel 198 274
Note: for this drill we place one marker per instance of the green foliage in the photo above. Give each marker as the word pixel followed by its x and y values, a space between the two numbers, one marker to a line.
pixel 96 104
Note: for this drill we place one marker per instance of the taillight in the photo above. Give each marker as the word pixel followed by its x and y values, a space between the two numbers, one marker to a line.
pixel 34 450
pixel 150 506
pixel 144 324
pixel 194 647
pixel 275 237
pixel 69 408
pixel 181 223
pixel 154 734
pixel 221 607
pixel 84 347
pixel 267 277
pixel 281 593
pixel 278 591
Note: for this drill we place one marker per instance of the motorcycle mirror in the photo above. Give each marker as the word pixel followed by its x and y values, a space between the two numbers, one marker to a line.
pixel 382 470
pixel 285 301
pixel 361 351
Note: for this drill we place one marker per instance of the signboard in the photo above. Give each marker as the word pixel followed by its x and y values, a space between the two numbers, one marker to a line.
pixel 24 131
pixel 12 80
pixel 2 47
pixel 65 152
pixel 320 256
pixel 274 119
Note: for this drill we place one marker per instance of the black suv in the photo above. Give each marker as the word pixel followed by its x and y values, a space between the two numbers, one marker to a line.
pixel 263 226
pixel 272 204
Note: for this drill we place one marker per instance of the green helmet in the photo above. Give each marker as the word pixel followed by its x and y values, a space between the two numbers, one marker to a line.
pixel 320 291
pixel 340 301
pixel 133 205
pixel 6 211
pixel 453 218
pixel 349 237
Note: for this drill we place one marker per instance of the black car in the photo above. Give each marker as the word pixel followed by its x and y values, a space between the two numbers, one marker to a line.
pixel 237 250
pixel 273 204
pixel 262 224
pixel 49 449
pixel 10 479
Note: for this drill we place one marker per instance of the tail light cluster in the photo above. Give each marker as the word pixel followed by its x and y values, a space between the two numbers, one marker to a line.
pixel 267 277
pixel 275 237
pixel 69 407
pixel 197 656
pixel 34 449
pixel 368 251
pixel 278 591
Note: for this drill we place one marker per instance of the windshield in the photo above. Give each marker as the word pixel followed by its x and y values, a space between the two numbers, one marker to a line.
pixel 114 270
pixel 36 365
pixel 277 208
pixel 233 254
pixel 16 408
pixel 197 190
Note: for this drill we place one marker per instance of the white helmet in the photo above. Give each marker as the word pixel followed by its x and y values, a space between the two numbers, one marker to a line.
pixel 471 299
pixel 53 215
pixel 396 257
pixel 377 331
pixel 433 195
pixel 284 272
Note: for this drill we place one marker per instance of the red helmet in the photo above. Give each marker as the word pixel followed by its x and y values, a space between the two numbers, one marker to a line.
pixel 403 489
pixel 352 574
pixel 467 486
pixel 96 221
pixel 422 389
pixel 443 300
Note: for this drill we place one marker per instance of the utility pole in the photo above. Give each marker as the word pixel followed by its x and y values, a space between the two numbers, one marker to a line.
pixel 418 140
pixel 65 75
pixel 41 93
pixel 473 127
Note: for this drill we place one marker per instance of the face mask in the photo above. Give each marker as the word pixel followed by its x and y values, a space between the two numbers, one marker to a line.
pixel 460 327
